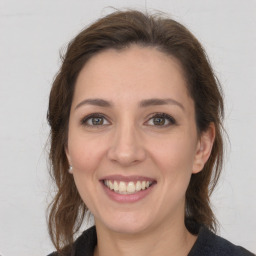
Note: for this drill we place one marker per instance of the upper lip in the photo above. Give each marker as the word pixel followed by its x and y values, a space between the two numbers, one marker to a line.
pixel 127 178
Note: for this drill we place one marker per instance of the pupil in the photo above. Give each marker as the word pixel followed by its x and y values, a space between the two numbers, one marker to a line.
pixel 159 121
pixel 97 120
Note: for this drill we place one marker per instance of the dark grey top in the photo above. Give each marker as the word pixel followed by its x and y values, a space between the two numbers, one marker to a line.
pixel 207 244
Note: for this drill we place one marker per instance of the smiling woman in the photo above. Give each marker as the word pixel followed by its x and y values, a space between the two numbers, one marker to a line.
pixel 136 117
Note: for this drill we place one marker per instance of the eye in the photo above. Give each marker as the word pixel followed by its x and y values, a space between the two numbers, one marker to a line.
pixel 161 120
pixel 95 119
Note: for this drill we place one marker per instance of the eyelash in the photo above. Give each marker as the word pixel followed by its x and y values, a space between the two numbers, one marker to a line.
pixel 91 116
pixel 167 117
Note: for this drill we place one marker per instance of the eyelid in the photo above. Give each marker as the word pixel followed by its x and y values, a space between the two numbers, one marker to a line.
pixel 170 119
pixel 93 115
pixel 165 116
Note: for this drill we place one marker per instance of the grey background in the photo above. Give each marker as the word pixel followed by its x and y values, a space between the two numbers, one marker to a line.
pixel 31 34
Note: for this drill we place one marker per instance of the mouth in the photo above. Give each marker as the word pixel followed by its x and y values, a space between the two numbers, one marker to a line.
pixel 127 188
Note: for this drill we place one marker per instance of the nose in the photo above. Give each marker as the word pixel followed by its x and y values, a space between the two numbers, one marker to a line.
pixel 126 146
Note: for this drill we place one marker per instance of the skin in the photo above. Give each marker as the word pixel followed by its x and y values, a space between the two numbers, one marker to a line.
pixel 128 142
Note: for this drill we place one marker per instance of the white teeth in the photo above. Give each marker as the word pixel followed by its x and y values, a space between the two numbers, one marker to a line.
pixel 116 187
pixel 110 185
pixel 127 188
pixel 130 187
pixel 143 185
pixel 138 186
pixel 122 187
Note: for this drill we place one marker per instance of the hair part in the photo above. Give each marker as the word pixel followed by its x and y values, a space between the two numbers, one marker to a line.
pixel 120 30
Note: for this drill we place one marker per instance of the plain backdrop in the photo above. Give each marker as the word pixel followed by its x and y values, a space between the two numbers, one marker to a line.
pixel 32 33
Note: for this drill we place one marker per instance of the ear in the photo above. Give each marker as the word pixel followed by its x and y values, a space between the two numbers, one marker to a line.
pixel 67 154
pixel 70 170
pixel 204 148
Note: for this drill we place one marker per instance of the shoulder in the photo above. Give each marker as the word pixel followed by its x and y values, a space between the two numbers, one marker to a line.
pixel 84 244
pixel 209 244
pixel 53 254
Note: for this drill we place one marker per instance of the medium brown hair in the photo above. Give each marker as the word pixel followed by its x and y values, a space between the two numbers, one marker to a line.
pixel 119 30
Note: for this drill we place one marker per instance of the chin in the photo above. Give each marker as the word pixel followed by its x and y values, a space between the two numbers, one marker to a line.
pixel 125 224
pixel 127 229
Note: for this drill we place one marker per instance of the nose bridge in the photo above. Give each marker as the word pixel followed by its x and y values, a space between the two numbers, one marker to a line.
pixel 126 145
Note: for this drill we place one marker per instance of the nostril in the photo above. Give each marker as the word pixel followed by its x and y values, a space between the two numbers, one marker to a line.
pixel 126 155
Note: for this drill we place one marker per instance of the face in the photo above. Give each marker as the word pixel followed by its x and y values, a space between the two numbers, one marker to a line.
pixel 132 139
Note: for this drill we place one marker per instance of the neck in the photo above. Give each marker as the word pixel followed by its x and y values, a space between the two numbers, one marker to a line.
pixel 173 239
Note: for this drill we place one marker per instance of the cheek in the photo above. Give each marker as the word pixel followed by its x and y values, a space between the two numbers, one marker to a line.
pixel 85 153
pixel 175 153
pixel 173 159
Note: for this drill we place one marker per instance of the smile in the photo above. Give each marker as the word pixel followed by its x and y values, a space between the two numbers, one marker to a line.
pixel 122 187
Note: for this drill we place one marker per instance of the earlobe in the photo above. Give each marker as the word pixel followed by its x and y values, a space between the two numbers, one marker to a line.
pixel 204 148
pixel 70 169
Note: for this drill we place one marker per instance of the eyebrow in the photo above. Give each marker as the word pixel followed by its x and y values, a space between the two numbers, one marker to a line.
pixel 95 102
pixel 157 102
pixel 142 104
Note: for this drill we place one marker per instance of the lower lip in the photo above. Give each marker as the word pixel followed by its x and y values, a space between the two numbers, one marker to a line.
pixel 127 198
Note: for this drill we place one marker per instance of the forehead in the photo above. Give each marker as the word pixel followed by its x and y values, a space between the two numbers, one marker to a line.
pixel 133 73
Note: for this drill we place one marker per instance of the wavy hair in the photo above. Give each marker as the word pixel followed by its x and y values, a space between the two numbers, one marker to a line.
pixel 117 31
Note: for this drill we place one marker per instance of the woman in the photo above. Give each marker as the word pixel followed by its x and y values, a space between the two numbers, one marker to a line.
pixel 136 138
